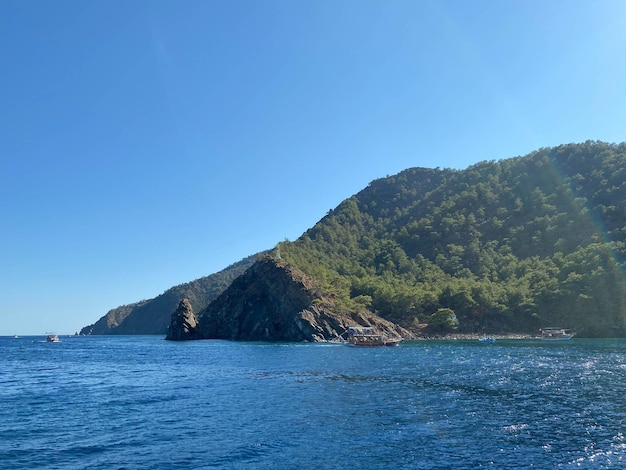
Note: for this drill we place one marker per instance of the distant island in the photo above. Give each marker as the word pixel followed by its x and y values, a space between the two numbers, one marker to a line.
pixel 501 247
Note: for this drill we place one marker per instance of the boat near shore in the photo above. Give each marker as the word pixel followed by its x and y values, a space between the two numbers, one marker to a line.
pixel 365 336
pixel 556 334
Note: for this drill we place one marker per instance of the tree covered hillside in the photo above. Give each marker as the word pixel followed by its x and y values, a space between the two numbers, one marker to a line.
pixel 502 246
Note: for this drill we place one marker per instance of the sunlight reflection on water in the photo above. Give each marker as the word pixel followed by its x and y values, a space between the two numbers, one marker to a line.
pixel 138 402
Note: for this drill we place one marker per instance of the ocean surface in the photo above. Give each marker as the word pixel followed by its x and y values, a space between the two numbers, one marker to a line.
pixel 140 402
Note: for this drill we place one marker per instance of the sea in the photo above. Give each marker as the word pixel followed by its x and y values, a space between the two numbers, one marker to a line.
pixel 140 402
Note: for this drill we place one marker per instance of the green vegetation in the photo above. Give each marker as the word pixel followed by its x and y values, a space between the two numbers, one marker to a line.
pixel 502 246
pixel 444 319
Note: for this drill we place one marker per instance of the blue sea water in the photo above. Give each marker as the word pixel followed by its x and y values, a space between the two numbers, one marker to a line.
pixel 140 402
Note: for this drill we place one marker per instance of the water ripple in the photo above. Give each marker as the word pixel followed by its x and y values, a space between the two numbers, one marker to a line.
pixel 140 402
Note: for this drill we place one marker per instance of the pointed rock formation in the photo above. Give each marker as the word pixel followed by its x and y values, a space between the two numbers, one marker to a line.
pixel 183 324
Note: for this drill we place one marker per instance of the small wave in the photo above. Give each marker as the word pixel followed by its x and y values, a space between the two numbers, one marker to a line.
pixel 513 428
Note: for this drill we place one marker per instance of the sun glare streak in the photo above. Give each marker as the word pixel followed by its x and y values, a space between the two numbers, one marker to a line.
pixel 601 239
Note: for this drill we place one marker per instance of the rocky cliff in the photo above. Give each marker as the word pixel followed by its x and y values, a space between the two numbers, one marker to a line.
pixel 273 301
pixel 183 324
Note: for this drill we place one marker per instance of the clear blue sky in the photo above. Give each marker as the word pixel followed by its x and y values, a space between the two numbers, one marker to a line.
pixel 144 144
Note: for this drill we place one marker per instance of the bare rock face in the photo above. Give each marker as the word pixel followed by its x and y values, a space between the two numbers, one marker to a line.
pixel 273 301
pixel 183 324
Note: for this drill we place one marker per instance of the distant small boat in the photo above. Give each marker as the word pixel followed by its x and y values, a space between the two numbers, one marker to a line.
pixel 487 339
pixel 556 334
pixel 52 338
pixel 365 336
pixel 15 336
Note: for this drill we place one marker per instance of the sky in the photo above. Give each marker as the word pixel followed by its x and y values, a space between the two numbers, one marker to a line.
pixel 144 144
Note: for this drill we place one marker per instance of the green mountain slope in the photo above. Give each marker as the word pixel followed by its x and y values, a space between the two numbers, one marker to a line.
pixel 502 246
pixel 153 316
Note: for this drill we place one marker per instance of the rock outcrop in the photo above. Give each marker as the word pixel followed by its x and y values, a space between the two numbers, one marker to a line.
pixel 273 301
pixel 183 324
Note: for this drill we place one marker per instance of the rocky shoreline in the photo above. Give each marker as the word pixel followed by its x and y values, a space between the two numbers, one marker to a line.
pixel 472 336
pixel 272 301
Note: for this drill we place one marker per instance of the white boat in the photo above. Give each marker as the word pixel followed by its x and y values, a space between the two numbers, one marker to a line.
pixel 52 338
pixel 365 336
pixel 556 334
pixel 487 339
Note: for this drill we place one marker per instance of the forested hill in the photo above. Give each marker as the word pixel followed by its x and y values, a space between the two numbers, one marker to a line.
pixel 502 246
pixel 152 316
